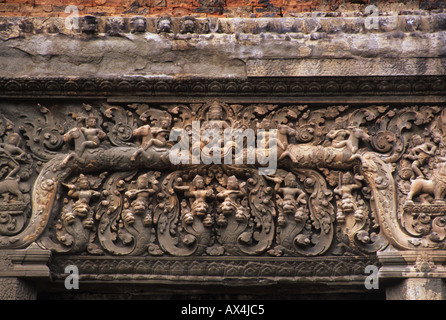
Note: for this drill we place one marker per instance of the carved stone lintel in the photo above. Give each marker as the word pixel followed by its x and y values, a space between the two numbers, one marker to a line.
pixel 349 178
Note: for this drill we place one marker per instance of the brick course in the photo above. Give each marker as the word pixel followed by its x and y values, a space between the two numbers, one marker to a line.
pixel 204 8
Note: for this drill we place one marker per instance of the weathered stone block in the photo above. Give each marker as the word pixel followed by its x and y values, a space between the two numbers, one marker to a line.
pixel 417 289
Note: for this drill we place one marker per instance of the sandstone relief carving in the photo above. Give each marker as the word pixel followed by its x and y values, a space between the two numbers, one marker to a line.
pixel 100 179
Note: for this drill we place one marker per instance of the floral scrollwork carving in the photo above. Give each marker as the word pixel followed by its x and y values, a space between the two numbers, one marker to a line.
pixel 101 179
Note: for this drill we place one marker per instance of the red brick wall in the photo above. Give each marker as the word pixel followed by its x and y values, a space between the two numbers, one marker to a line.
pixel 199 8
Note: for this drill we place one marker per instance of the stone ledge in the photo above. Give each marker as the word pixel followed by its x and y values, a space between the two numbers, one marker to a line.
pixel 412 264
pixel 26 263
pixel 243 48
pixel 318 26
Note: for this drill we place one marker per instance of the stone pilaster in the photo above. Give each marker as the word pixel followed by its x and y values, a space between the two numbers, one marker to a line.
pixel 413 275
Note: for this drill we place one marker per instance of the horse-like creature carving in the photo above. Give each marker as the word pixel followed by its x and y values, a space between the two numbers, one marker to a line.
pixel 436 186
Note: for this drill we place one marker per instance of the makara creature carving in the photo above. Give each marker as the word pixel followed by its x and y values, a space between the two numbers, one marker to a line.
pixel 100 179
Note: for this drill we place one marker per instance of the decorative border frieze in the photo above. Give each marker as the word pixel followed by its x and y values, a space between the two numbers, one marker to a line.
pixel 255 86
pixel 209 270
pixel 307 24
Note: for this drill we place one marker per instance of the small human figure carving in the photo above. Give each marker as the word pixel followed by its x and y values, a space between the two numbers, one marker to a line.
pixel 216 118
pixel 345 190
pixel 186 213
pixel 346 138
pixel 141 194
pixel 93 134
pixel 88 136
pixel 200 193
pixel 294 198
pixel 419 154
pixel 231 204
pixel 83 192
pixel 338 135
pixel 150 135
pixel 264 134
pixel 266 140
pixel 13 154
pixel 214 124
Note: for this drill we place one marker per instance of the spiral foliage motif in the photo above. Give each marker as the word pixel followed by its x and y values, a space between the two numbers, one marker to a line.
pixel 383 141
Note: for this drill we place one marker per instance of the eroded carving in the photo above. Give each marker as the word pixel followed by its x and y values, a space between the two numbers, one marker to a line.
pixel 347 179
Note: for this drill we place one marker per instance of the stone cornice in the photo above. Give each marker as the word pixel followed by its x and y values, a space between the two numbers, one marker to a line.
pixel 412 264
pixel 29 263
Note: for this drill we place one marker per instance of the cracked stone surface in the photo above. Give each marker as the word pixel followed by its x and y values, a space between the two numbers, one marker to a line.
pixel 402 45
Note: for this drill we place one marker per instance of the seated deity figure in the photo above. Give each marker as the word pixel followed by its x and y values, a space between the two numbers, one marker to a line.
pixel 93 134
pixel 214 125
pixel 216 118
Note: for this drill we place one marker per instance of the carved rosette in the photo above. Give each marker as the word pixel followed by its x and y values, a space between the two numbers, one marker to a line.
pixel 100 179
